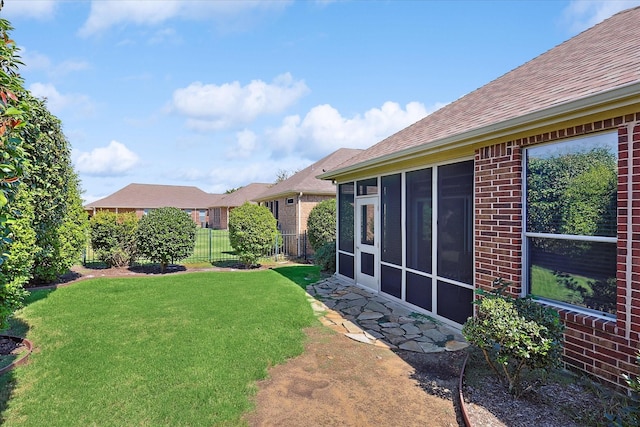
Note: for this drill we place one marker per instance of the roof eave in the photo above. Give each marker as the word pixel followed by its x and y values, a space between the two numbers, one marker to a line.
pixel 618 97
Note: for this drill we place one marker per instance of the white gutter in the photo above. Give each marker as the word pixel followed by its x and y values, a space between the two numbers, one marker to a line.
pixel 614 98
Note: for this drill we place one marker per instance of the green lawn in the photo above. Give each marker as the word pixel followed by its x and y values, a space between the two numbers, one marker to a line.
pixel 182 349
pixel 545 284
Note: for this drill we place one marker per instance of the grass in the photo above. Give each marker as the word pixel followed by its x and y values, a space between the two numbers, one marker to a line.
pixel 172 350
pixel 545 284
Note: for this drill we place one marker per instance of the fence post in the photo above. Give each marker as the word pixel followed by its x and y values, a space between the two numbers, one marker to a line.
pixel 210 246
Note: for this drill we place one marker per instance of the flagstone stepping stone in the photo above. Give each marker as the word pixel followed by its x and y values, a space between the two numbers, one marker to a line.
pixel 393 331
pixel 360 338
pixel 375 334
pixel 351 327
pixel 435 335
pixel 411 346
pixel 426 326
pixel 455 345
pixel 390 325
pixel 376 306
pixel 411 329
pixel 351 296
pixel 429 347
pixel 370 315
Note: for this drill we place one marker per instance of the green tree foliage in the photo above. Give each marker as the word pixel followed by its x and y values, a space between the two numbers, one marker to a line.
pixel 55 189
pixel 573 193
pixel 113 237
pixel 17 267
pixel 13 160
pixel 166 235
pixel 325 257
pixel 252 232
pixel 514 334
pixel 321 224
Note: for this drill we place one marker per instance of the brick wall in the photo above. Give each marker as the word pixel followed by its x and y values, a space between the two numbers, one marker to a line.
pixel 602 348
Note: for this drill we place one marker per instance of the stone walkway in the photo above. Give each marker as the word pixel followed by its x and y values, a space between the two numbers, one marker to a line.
pixel 373 319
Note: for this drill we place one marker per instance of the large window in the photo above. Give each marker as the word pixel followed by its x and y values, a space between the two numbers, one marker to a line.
pixel 571 201
pixel 419 220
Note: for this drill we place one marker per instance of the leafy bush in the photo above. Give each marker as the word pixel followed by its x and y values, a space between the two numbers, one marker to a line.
pixel 252 232
pixel 113 237
pixel 321 224
pixel 325 257
pixel 17 267
pixel 514 334
pixel 166 235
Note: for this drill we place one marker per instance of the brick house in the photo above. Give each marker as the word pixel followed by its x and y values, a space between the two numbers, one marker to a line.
pixel 140 198
pixel 291 200
pixel 223 204
pixel 533 178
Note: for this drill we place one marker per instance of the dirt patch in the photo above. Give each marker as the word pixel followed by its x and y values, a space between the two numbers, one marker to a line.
pixel 338 381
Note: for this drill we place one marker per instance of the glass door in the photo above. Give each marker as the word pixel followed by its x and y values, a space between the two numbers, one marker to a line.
pixel 367 245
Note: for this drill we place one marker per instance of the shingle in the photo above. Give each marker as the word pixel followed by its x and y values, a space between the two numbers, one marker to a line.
pixel 305 181
pixel 143 196
pixel 241 195
pixel 601 58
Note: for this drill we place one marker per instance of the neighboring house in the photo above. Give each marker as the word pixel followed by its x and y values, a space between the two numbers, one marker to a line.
pixel 292 199
pixel 533 178
pixel 141 198
pixel 223 204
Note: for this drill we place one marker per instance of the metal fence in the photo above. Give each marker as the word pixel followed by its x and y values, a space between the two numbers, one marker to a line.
pixel 214 246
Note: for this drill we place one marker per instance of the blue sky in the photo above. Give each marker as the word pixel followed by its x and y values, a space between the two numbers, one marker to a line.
pixel 220 94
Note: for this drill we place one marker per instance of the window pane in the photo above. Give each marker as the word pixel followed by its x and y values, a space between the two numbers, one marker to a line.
pixel 454 302
pixel 572 187
pixel 391 281
pixel 391 219
pixel 419 220
pixel 455 222
pixel 574 272
pixel 346 265
pixel 346 217
pixel 367 221
pixel 368 187
pixel 419 290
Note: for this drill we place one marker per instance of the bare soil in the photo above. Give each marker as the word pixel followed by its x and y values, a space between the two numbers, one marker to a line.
pixel 341 382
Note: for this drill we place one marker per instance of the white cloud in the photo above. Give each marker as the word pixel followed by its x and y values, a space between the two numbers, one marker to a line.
pixel 324 130
pixel 108 13
pixel 246 144
pixel 38 61
pixel 114 159
pixel 38 9
pixel 57 102
pixel 211 107
pixel 582 14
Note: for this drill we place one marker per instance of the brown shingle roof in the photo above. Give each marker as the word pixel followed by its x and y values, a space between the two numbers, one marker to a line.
pixel 241 195
pixel 150 196
pixel 305 181
pixel 604 57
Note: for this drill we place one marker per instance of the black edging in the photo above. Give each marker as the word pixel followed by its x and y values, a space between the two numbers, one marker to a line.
pixel 463 408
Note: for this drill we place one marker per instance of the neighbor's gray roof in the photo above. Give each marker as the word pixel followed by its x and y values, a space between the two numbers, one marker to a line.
pixel 241 195
pixel 306 182
pixel 150 196
pixel 602 58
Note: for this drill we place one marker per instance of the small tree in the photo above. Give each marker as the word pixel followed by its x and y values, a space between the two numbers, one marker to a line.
pixel 166 235
pixel 514 334
pixel 113 237
pixel 321 225
pixel 252 232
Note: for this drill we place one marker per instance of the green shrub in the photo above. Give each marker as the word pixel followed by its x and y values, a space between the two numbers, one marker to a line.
pixel 514 334
pixel 252 232
pixel 321 224
pixel 166 235
pixel 113 237
pixel 325 257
